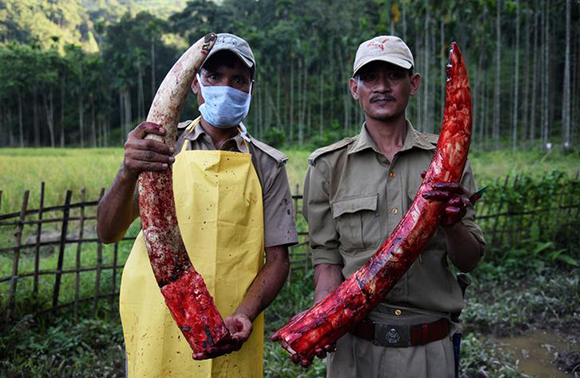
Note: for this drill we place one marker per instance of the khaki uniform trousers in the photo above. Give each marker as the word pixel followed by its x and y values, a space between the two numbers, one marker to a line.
pixel 358 358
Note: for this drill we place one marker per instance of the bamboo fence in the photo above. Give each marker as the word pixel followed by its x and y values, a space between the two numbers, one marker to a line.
pixel 78 216
pixel 75 222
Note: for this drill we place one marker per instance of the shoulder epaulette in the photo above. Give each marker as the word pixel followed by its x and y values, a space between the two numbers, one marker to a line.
pixel 431 138
pixel 333 147
pixel 184 124
pixel 270 151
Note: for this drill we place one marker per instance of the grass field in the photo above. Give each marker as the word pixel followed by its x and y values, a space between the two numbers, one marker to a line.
pixel 60 169
pixel 93 169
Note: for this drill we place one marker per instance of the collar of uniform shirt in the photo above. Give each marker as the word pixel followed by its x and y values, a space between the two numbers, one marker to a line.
pixel 198 132
pixel 412 139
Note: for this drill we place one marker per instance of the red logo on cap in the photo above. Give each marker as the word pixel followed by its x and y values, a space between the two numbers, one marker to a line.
pixel 378 45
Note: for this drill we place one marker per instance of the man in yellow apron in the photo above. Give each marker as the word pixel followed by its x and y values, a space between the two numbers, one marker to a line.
pixel 233 203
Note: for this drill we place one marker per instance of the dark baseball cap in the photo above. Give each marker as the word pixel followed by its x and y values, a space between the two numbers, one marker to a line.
pixel 235 44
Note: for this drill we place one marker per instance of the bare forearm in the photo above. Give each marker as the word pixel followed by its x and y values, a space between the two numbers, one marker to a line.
pixel 327 277
pixel 267 283
pixel 117 210
pixel 463 248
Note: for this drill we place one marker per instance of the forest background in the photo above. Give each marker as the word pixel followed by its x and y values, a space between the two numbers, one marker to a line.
pixel 83 72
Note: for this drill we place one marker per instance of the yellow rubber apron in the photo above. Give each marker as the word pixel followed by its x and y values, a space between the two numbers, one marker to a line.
pixel 218 198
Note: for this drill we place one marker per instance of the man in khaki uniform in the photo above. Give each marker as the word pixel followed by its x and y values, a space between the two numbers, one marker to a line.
pixel 356 192
pixel 237 173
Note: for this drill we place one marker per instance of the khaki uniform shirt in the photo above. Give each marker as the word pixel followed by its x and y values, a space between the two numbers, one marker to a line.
pixel 353 199
pixel 279 221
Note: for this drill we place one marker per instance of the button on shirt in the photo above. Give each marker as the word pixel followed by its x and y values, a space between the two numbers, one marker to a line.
pixel 279 221
pixel 354 198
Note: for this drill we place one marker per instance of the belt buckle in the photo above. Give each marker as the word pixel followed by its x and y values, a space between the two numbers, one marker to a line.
pixel 394 336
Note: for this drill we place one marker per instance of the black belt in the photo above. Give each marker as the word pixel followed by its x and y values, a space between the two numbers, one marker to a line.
pixel 401 336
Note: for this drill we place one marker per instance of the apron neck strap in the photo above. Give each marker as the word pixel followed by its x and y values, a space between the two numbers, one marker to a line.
pixel 241 129
pixel 243 134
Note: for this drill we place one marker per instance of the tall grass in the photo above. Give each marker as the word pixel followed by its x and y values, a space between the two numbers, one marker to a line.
pixel 95 168
pixel 24 169
pixel 492 165
pixel 61 169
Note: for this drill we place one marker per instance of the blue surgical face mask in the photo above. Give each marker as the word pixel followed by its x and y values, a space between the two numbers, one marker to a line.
pixel 224 106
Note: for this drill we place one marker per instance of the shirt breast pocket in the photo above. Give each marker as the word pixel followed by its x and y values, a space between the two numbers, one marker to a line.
pixel 357 222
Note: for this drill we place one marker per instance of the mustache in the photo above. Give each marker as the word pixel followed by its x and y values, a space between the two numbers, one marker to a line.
pixel 380 97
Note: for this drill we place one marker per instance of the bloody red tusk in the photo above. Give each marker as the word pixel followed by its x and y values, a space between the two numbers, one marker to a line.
pixel 184 290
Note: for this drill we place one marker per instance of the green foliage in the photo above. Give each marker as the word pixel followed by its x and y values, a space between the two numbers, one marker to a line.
pixel 480 357
pixel 62 347
pixel 274 137
pixel 539 220
pixel 505 301
pixel 527 189
pixel 530 257
pixel 304 52
pixel 113 10
pixel 329 136
pixel 297 295
pixel 55 24
pixel 74 90
pixel 127 45
pixel 47 24
pixel 199 18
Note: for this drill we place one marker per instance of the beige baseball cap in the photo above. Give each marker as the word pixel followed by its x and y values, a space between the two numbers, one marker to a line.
pixel 386 48
pixel 235 44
